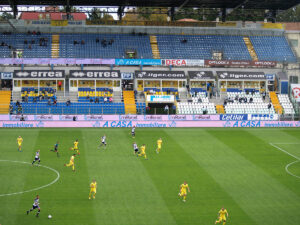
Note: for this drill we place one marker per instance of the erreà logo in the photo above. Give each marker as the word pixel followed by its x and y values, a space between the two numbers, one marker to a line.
pixel 22 74
pixel 78 74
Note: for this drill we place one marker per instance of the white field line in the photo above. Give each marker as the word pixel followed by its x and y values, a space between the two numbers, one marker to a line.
pixel 284 151
pixel 34 189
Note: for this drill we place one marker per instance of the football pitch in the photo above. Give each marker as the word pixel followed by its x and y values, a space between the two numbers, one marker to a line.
pixel 254 173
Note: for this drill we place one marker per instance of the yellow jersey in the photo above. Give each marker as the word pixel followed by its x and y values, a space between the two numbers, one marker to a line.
pixel 93 185
pixel 76 144
pixel 184 187
pixel 72 159
pixel 222 213
pixel 19 140
pixel 143 149
pixel 159 142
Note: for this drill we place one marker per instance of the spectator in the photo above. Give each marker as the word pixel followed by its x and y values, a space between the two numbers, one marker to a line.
pixel 251 100
pixel 68 102
pixel 55 102
pixel 105 99
pixel 25 42
pixel 59 85
pixel 29 33
pixel 22 118
pixel 97 40
pixel 87 97
pixel 110 100
pixel 19 109
pixel 33 42
pixel 26 98
pixel 29 46
pixel 97 100
pixel 11 108
pixel 91 100
pixel 49 102
pixel 184 41
pixel 33 32
pixel 38 33
pixel 82 42
pixel 264 95
pixel 269 105
pixel 34 99
pixel 167 109
pixel 17 103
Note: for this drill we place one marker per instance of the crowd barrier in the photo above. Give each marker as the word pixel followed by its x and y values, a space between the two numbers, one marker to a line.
pixel 146 123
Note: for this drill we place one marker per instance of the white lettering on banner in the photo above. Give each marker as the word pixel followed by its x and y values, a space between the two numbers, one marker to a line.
pixel 46 74
pixel 99 74
pixel 160 98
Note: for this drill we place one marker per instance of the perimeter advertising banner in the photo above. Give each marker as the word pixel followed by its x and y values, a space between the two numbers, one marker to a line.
pixel 60 61
pixel 160 98
pixel 144 123
pixel 96 74
pixel 182 62
pixel 296 91
pixel 238 63
pixel 241 75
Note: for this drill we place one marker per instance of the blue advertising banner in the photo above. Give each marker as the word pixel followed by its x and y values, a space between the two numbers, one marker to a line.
pixel 233 117
pixel 138 62
pixel 6 75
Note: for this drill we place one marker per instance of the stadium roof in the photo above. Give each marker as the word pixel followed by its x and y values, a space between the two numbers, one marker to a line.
pixel 247 4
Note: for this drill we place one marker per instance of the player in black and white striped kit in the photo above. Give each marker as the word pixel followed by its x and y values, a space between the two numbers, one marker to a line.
pixel 37 157
pixel 103 141
pixel 135 148
pixel 35 205
pixel 133 132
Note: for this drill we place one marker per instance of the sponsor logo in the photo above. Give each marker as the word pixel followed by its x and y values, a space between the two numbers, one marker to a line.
pixel 93 117
pixel 201 117
pixel 177 117
pixel 241 75
pixel 152 117
pixel 128 117
pixel 233 117
pixel 66 117
pixel 160 74
pixel 95 74
pixel 43 117
pixel 175 62
pixel 296 92
pixel 39 74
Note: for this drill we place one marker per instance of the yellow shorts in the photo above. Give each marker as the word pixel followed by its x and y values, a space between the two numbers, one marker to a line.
pixel 222 218
pixel 75 149
pixel 19 144
pixel 93 190
pixel 159 147
pixel 182 193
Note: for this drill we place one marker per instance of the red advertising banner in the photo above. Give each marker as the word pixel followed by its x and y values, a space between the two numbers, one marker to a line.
pixel 240 63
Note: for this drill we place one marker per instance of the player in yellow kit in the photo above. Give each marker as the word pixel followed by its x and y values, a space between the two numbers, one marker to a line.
pixel 93 190
pixel 143 151
pixel 159 142
pixel 19 141
pixel 75 148
pixel 183 190
pixel 72 162
pixel 222 216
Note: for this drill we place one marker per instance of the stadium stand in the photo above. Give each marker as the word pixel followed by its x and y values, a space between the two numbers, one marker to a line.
pixel 241 102
pixel 103 45
pixel 32 45
pixel 272 48
pixel 5 97
pixel 286 104
pixel 160 46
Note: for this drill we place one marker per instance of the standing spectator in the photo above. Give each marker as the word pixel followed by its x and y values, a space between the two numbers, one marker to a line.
pixel 167 109
pixel 59 85
pixel 264 95
pixel 55 102
pixel 68 102
pixel 110 100
pixel 49 102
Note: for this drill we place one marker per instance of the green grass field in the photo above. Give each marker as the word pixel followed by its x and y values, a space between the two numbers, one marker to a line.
pixel 235 168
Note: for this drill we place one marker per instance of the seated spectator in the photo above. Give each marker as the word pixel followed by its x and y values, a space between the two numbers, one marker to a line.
pixel 82 42
pixel 49 102
pixel 91 100
pixel 105 99
pixel 97 40
pixel 55 102
pixel 25 42
pixel 33 32
pixel 29 47
pixel 23 98
pixel 87 97
pixel 17 103
pixel 19 109
pixel 68 102
pixel 269 105
pixel 97 100
pixel 251 100
pixel 38 33
pixel 183 41
pixel 110 100
pixel 75 42
pixel 34 99
pixel 22 118
pixel 29 32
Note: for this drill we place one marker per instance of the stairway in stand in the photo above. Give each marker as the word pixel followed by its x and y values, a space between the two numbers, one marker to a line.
pixel 55 46
pixel 220 109
pixel 275 102
pixel 154 46
pixel 5 97
pixel 250 48
pixel 129 102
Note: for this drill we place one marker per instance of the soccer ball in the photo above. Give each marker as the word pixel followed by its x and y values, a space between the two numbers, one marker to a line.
pixel 49 217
